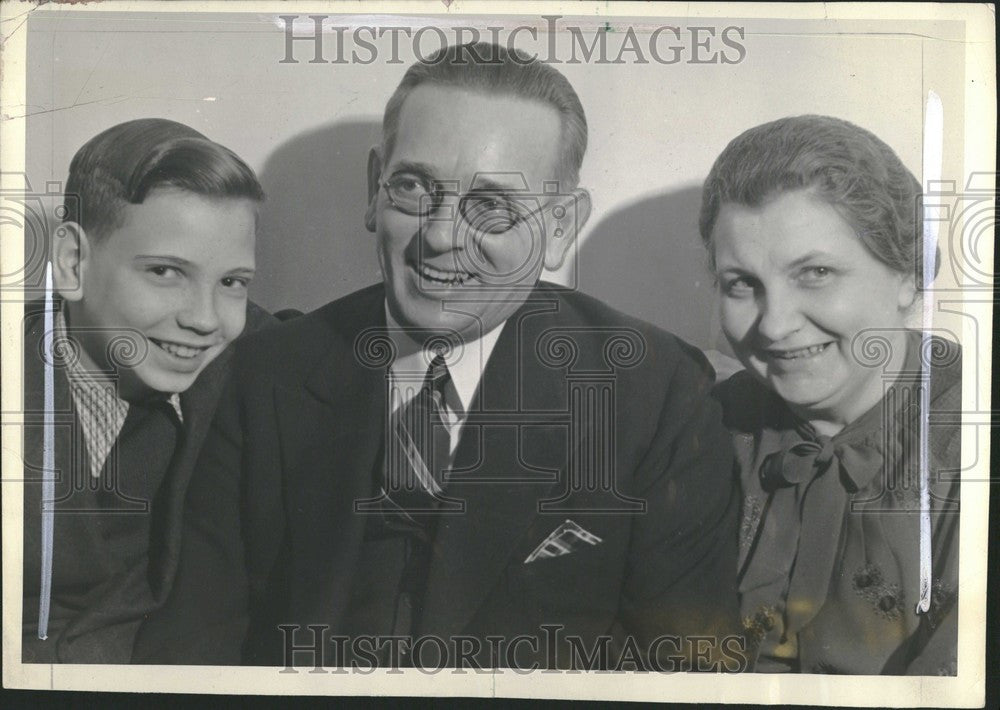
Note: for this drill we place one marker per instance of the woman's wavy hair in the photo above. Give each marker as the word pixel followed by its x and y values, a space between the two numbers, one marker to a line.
pixel 845 165
pixel 123 164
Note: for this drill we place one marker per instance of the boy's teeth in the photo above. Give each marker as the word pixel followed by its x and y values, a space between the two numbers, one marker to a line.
pixel 179 350
pixel 801 352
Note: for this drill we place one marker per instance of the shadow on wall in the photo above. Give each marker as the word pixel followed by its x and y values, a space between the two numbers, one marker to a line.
pixel 312 245
pixel 647 260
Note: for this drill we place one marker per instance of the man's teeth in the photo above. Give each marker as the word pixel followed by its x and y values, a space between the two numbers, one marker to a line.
pixel 801 352
pixel 179 350
pixel 444 277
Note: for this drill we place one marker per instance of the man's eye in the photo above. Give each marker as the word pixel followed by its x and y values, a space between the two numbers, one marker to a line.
pixel 408 185
pixel 490 213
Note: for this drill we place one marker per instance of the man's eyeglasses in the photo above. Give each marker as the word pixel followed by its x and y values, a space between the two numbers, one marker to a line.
pixel 484 210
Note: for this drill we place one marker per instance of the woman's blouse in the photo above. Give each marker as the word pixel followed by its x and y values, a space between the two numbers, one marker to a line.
pixel 830 539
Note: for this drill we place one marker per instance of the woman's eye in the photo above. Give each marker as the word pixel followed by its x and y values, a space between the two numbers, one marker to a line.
pixel 739 286
pixel 815 274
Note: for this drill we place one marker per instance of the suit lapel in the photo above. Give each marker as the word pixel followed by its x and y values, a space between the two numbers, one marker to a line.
pixel 500 493
pixel 332 430
pixel 198 405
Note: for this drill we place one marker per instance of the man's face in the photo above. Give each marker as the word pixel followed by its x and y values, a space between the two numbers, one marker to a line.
pixel 445 272
pixel 173 276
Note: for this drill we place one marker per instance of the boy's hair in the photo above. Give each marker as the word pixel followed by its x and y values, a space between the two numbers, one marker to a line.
pixel 841 163
pixel 122 165
pixel 494 69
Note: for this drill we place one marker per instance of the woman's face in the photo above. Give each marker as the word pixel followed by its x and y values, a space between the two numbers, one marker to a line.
pixel 797 285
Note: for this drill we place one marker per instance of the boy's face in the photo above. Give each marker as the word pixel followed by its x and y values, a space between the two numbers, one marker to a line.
pixel 175 276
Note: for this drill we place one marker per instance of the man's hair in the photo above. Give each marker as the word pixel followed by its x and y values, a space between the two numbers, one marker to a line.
pixel 493 69
pixel 845 165
pixel 123 164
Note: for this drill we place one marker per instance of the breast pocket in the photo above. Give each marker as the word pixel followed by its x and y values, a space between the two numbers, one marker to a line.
pixel 587 579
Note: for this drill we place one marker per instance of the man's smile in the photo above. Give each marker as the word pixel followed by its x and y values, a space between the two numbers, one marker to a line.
pixel 441 277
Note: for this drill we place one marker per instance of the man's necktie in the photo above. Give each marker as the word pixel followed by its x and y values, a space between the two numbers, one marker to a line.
pixel 417 459
pixel 418 453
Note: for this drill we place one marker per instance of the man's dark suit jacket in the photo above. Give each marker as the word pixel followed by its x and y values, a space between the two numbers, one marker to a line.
pixel 272 537
pixel 103 631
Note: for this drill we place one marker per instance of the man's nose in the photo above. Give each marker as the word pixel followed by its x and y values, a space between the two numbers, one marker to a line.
pixel 199 311
pixel 443 229
pixel 780 315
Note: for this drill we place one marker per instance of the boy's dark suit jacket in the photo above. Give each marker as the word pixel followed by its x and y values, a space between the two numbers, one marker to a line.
pixel 104 632
pixel 271 536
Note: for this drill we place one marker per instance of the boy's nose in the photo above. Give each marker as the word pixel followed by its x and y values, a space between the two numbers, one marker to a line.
pixel 199 312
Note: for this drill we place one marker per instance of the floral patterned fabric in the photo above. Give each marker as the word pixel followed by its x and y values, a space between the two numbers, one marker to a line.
pixel 830 542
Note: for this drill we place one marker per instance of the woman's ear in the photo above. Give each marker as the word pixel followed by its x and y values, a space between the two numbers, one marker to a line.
pixel 71 250
pixel 566 218
pixel 374 186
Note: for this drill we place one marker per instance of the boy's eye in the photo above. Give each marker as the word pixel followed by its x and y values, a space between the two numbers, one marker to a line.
pixel 163 271
pixel 236 282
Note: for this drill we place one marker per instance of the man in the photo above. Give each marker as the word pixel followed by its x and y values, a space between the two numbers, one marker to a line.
pixel 462 457
pixel 150 270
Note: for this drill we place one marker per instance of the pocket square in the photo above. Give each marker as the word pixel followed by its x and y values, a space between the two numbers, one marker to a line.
pixel 563 540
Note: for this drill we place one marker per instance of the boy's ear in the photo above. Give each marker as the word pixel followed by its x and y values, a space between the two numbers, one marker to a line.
pixel 71 251
pixel 374 176
pixel 566 217
pixel 907 291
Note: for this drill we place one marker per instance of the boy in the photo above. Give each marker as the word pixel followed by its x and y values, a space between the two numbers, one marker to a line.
pixel 150 269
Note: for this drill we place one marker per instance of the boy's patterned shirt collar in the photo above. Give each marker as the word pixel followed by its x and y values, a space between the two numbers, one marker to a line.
pixel 100 410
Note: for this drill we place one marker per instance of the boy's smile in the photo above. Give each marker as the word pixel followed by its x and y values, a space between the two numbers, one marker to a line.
pixel 174 276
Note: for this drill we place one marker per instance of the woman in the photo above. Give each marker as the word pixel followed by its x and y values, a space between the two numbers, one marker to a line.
pixel 814 232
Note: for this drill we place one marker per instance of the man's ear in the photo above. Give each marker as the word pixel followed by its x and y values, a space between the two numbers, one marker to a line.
pixel 374 179
pixel 566 218
pixel 71 251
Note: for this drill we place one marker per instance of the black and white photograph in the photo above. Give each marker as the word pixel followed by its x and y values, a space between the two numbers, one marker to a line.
pixel 626 351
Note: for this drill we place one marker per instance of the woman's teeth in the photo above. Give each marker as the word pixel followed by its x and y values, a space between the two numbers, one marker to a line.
pixel 799 353
pixel 450 278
